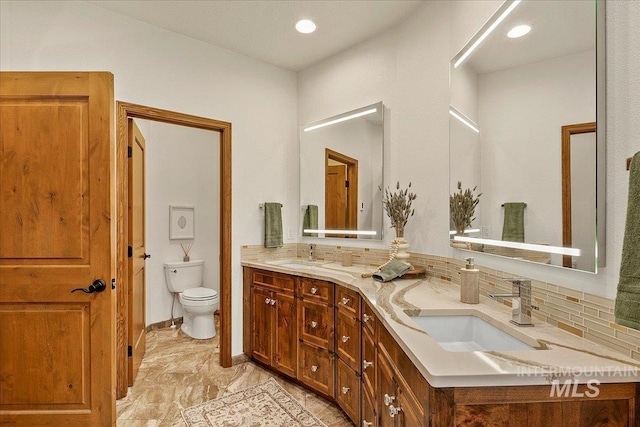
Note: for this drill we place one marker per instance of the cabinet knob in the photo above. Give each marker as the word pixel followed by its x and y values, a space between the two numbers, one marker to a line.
pixel 366 318
pixel 345 390
pixel 345 338
pixel 314 324
pixel 393 411
pixel 388 399
pixel 267 300
pixel 314 368
pixel 366 364
pixel 314 290
pixel 366 423
pixel 273 302
pixel 345 301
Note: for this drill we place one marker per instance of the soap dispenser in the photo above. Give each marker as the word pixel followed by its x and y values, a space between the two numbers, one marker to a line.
pixel 469 289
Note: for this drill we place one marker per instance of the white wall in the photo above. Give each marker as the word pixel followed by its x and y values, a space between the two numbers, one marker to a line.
pixel 182 169
pixel 164 70
pixel 407 68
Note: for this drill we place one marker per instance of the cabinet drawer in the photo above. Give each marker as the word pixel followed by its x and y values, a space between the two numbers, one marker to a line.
pixel 368 363
pixel 369 417
pixel 348 391
pixel 368 318
pixel 273 280
pixel 348 301
pixel 316 323
pixel 348 340
pixel 316 369
pixel 317 290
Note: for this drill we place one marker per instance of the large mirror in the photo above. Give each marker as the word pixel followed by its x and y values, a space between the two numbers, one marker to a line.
pixel 526 95
pixel 341 163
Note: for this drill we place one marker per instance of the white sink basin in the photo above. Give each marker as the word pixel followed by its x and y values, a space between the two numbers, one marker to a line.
pixel 467 333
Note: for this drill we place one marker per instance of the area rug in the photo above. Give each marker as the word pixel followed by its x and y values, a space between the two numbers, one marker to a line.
pixel 263 405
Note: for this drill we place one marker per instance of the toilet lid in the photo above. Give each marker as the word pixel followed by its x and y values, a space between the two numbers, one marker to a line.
pixel 199 294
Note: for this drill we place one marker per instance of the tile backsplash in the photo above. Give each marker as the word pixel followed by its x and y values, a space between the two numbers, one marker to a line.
pixel 586 315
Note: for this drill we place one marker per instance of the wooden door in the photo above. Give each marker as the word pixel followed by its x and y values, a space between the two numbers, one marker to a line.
pixel 261 331
pixel 136 286
pixel 285 343
pixel 335 215
pixel 57 356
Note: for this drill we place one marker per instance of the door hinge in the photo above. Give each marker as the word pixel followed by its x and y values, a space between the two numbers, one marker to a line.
pixel 129 151
pixel 129 251
pixel 129 351
pixel 346 184
pixel 113 283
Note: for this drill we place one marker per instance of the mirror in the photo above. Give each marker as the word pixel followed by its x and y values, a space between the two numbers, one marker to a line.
pixel 341 175
pixel 523 116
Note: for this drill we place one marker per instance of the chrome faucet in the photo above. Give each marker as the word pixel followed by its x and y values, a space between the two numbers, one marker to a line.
pixel 312 255
pixel 521 303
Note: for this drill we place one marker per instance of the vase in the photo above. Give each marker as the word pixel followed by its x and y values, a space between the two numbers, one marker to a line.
pixel 400 247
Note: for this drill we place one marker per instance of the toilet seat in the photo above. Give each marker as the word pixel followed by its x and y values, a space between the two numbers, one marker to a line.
pixel 199 294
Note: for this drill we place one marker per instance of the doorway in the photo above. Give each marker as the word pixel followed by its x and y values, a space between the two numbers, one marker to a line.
pixel 341 193
pixel 126 111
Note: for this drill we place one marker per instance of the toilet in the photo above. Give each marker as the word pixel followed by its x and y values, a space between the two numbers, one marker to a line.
pixel 198 302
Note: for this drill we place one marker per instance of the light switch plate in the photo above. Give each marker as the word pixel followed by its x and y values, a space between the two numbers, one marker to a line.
pixel 290 233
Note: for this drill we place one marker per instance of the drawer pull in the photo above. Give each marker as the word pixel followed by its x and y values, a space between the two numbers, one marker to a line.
pixel 345 390
pixel 366 318
pixel 273 302
pixel 366 423
pixel 314 368
pixel 266 300
pixel 345 338
pixel 388 399
pixel 366 364
pixel 314 324
pixel 393 411
pixel 314 290
pixel 345 301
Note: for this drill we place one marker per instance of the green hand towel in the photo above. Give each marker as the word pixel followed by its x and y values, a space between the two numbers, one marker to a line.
pixel 627 310
pixel 513 228
pixel 272 225
pixel 393 269
pixel 310 220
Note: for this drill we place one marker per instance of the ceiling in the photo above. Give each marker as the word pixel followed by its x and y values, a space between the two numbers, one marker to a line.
pixel 264 29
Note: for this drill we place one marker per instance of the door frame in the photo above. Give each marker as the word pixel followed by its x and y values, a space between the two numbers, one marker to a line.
pixel 125 111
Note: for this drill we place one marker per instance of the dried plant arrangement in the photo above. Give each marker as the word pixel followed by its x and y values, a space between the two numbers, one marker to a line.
pixel 397 206
pixel 462 206
pixel 186 248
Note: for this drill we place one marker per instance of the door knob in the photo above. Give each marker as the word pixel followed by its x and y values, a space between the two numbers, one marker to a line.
pixel 145 256
pixel 98 285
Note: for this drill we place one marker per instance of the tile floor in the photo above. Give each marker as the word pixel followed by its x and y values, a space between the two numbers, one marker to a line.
pixel 178 372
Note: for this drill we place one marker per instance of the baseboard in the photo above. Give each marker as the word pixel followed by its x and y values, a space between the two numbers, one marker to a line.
pixel 163 324
pixel 239 359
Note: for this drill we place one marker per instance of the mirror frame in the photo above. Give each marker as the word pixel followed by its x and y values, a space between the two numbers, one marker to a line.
pixel 601 116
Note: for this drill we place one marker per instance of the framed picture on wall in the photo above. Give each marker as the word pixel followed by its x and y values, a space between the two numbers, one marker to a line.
pixel 181 222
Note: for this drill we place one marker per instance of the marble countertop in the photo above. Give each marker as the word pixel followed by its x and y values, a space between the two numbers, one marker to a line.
pixel 559 355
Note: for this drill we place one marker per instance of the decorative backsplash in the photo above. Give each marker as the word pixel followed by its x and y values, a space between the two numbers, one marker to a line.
pixel 586 315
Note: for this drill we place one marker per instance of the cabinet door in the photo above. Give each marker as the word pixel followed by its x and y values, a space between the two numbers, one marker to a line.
pixel 316 323
pixel 348 391
pixel 368 362
pixel 316 369
pixel 348 339
pixel 261 330
pixel 387 390
pixel 348 301
pixel 369 418
pixel 407 415
pixel 285 343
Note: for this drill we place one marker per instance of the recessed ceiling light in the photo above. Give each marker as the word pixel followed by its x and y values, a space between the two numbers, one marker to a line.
pixel 306 26
pixel 519 31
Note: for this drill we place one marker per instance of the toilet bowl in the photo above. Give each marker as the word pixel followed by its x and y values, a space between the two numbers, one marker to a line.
pixel 198 303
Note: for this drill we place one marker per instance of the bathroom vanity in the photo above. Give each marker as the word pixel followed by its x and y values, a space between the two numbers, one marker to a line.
pixel 360 344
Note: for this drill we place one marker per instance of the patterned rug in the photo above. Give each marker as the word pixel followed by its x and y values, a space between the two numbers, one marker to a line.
pixel 263 405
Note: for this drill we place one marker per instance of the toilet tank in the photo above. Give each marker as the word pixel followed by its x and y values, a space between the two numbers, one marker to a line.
pixel 181 275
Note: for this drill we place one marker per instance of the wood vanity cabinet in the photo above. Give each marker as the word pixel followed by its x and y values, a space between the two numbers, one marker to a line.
pixel 316 365
pixel 347 345
pixel 274 339
pixel 369 410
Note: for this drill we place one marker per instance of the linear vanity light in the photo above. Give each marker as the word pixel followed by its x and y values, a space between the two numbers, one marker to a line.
pixel 468 230
pixel 517 245
pixel 486 33
pixel 360 233
pixel 464 119
pixel 341 119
